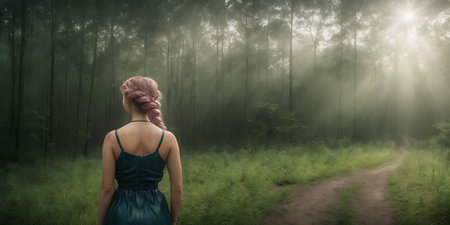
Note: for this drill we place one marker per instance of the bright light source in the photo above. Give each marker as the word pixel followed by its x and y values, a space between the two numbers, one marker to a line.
pixel 407 16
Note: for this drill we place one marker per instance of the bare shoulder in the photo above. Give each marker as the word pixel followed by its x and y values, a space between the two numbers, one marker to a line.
pixel 109 137
pixel 169 136
pixel 171 139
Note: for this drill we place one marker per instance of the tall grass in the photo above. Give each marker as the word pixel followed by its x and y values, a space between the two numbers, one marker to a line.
pixel 226 187
pixel 421 187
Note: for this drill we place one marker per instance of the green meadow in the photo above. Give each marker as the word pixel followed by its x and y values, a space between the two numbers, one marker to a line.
pixel 420 187
pixel 220 186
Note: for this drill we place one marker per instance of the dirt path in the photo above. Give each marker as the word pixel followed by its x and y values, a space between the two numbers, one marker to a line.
pixel 313 204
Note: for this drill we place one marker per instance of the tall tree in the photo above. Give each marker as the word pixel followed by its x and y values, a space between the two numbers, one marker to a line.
pixel 12 46
pixel 317 15
pixel 247 74
pixel 20 80
pixel 112 65
pixel 340 14
pixel 93 75
pixel 80 75
pixel 291 31
pixel 50 107
pixel 355 58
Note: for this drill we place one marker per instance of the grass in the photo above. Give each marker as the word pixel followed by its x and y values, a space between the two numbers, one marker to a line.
pixel 420 187
pixel 344 212
pixel 226 187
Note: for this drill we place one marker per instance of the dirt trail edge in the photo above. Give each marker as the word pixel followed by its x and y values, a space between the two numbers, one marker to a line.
pixel 311 204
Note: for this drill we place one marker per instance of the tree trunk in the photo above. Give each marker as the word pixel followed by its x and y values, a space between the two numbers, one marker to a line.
pixel 283 70
pixel 355 36
pixel 12 42
pixel 291 22
pixel 66 73
pixel 341 61
pixel 113 74
pixel 193 95
pixel 23 30
pixel 88 116
pixel 168 53
pixel 246 97
pixel 222 74
pixel 50 107
pixel 267 59
pixel 80 76
pixel 216 91
pixel 314 58
pixel 258 66
pixel 180 101
pixel 170 91
pixel 145 48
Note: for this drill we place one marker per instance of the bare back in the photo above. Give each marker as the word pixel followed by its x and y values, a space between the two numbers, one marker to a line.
pixel 141 139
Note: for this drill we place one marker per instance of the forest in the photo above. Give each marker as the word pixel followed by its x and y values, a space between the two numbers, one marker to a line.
pixel 278 78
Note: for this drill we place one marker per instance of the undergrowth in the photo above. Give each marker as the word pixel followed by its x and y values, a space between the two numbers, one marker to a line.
pixel 226 187
pixel 420 187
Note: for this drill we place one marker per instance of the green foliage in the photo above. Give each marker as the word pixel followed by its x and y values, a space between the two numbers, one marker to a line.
pixel 421 188
pixel 268 121
pixel 443 137
pixel 225 187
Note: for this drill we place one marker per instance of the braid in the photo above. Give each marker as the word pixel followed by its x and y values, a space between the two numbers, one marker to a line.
pixel 144 93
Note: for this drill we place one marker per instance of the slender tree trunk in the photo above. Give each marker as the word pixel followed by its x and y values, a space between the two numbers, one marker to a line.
pixel 380 129
pixel 180 101
pixel 12 43
pixel 355 36
pixel 222 76
pixel 145 48
pixel 88 116
pixel 194 110
pixel 258 66
pixel 23 30
pixel 170 78
pixel 314 58
pixel 169 64
pixel 175 86
pixel 283 70
pixel 50 106
pixel 246 98
pixel 216 92
pixel 341 61
pixel 80 76
pixel 267 58
pixel 113 73
pixel 291 23
pixel 66 72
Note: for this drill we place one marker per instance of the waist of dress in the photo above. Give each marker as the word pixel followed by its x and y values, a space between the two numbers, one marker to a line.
pixel 151 186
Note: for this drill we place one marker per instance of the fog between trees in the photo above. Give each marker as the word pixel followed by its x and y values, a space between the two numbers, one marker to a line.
pixel 228 70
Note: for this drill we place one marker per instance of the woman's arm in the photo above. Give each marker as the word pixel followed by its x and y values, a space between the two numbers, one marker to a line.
pixel 108 170
pixel 174 167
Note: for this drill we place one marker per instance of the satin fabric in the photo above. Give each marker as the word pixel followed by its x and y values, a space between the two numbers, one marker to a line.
pixel 137 200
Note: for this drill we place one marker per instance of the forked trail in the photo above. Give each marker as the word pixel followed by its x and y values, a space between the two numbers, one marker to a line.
pixel 315 203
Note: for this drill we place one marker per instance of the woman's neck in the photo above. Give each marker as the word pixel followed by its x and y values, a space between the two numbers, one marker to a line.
pixel 139 116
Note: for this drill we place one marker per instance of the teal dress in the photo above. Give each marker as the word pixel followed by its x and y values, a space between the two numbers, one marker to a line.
pixel 137 200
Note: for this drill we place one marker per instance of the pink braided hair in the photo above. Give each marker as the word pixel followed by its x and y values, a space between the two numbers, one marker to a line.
pixel 144 93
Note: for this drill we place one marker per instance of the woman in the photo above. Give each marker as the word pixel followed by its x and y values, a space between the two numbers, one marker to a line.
pixel 135 155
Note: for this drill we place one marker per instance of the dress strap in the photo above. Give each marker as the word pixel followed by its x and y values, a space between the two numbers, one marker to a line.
pixel 118 141
pixel 162 137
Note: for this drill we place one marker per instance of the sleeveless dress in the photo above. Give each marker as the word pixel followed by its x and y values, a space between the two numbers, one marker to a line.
pixel 137 200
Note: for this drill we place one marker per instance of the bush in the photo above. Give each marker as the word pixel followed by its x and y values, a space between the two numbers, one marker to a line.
pixel 267 121
pixel 443 137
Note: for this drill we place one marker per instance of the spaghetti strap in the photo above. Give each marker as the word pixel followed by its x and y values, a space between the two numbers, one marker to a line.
pixel 162 137
pixel 118 141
